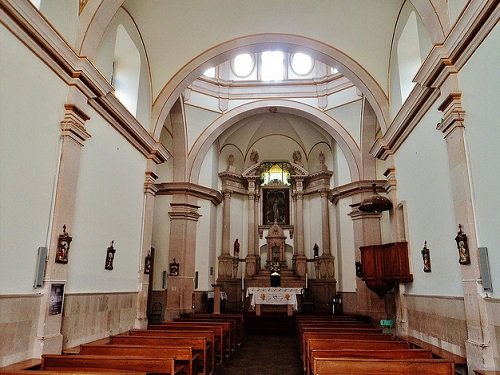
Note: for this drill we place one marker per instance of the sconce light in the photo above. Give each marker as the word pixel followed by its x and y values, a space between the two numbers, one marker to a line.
pixel 359 269
pixel 375 202
pixel 63 244
pixel 110 256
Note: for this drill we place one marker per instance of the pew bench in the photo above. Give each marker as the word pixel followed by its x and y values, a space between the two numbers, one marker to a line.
pixel 182 354
pixel 380 353
pixel 207 348
pixel 72 372
pixel 366 366
pixel 61 362
pixel 236 325
pixel 227 329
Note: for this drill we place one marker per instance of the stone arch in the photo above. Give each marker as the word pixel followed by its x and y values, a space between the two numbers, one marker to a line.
pixel 345 141
pixel 290 43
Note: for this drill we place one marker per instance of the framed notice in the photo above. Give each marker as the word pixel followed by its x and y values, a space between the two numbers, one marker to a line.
pixel 56 299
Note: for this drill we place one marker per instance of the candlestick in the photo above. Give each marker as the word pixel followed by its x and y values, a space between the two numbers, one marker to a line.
pixel 242 281
pixel 306 280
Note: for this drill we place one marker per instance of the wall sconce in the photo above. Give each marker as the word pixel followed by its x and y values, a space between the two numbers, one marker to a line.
pixel 463 248
pixel 63 244
pixel 426 256
pixel 174 268
pixel 110 256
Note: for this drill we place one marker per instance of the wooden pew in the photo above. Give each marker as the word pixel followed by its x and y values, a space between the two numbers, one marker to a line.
pixel 237 319
pixel 68 372
pixel 381 353
pixel 340 336
pixel 207 350
pixel 325 343
pixel 228 330
pixel 366 366
pixel 198 344
pixel 182 354
pixel 220 335
pixel 56 362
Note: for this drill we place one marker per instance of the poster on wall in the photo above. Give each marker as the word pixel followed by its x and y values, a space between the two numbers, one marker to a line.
pixel 275 207
pixel 56 299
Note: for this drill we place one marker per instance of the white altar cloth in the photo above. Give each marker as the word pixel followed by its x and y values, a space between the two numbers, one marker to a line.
pixel 274 296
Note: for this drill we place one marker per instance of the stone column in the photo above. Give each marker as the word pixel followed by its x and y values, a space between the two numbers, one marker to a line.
pixel 366 228
pixel 480 352
pixel 225 259
pixel 150 190
pixel 300 259
pixel 326 261
pixel 49 339
pixel 250 261
pixel 183 221
pixel 256 214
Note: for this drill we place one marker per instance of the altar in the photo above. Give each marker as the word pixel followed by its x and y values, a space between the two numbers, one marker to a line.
pixel 273 296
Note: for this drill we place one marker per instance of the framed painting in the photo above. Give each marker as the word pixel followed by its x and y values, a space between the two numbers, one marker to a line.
pixel 276 206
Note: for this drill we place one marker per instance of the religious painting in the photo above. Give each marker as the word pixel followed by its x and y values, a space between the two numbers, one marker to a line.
pixel 56 299
pixel 174 268
pixel 63 245
pixel 276 206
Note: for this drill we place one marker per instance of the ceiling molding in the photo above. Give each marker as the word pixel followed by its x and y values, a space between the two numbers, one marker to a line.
pixel 187 188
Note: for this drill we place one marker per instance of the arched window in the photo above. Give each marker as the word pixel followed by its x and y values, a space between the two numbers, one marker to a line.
pixel 126 70
pixel 210 72
pixel 272 66
pixel 301 63
pixel 409 59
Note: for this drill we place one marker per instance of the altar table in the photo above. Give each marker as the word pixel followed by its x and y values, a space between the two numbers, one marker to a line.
pixel 274 296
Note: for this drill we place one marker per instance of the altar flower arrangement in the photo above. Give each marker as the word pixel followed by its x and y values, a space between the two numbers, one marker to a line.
pixel 275 267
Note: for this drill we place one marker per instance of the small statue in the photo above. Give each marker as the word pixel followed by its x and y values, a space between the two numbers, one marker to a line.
pixel 426 256
pixel 230 163
pixel 321 157
pixel 236 249
pixel 297 157
pixel 463 249
pixel 254 157
pixel 316 250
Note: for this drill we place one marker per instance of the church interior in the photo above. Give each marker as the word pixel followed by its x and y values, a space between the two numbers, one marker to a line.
pixel 182 157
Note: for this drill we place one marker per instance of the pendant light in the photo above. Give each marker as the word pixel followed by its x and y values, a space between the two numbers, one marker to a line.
pixel 375 202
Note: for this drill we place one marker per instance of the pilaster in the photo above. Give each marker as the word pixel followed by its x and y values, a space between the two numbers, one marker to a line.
pixel 73 135
pixel 150 190
pixel 479 345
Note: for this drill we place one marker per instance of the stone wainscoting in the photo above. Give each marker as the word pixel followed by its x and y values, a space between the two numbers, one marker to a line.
pixel 438 320
pixel 19 316
pixel 93 316
pixel 493 311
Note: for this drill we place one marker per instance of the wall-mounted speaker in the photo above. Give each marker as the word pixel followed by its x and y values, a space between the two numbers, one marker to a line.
pixel 164 279
pixel 40 267
pixel 484 266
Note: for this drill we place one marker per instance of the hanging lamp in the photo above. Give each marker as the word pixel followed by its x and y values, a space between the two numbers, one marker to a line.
pixel 375 202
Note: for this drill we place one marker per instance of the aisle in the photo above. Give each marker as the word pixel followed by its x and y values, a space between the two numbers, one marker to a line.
pixel 265 355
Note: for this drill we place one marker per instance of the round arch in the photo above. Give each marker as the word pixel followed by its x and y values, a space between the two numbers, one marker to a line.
pixel 345 141
pixel 259 42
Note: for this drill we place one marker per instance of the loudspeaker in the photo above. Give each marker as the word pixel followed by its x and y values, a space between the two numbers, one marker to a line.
pixel 484 266
pixel 40 267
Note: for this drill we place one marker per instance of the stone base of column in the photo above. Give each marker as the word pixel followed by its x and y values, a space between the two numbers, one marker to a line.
pixel 49 344
pixel 299 265
pixel 179 296
pixel 326 267
pixel 225 266
pixel 250 265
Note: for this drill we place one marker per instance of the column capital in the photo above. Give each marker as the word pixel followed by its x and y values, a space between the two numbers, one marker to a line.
pixel 149 183
pixel 73 124
pixel 453 113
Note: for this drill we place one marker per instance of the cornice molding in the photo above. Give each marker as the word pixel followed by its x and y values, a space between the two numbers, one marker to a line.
pixel 188 188
pixel 127 125
pixel 355 188
pixel 477 20
pixel 36 33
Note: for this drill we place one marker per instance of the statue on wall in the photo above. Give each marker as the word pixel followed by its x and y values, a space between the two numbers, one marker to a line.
pixel 321 158
pixel 236 248
pixel 254 157
pixel 230 162
pixel 297 157
pixel 463 248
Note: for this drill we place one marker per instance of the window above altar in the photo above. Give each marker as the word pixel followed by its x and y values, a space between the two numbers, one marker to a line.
pixel 275 173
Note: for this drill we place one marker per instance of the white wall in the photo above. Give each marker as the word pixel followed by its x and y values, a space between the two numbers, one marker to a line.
pixel 109 206
pixel 346 279
pixel 161 238
pixel 63 15
pixel 197 120
pixel 424 182
pixel 349 116
pixel 29 152
pixel 480 81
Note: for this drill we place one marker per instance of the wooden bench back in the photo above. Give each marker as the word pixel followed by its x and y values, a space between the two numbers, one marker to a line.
pixel 96 362
pixel 356 366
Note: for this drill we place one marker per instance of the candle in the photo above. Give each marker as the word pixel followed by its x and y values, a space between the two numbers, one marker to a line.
pixel 242 281
pixel 306 280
